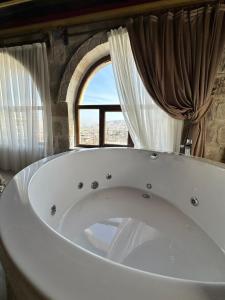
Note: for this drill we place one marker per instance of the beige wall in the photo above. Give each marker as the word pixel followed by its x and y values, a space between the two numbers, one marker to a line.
pixel 215 146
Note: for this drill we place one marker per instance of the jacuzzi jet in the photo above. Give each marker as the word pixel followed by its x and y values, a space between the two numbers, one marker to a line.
pixel 154 155
pixel 145 196
pixel 80 185
pixel 108 176
pixel 53 210
pixel 194 201
pixel 148 186
pixel 94 185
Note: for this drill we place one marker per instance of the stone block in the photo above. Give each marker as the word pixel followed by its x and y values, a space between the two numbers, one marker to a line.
pixel 211 135
pixel 57 128
pixel 221 68
pixel 219 86
pixel 60 109
pixel 215 153
pixel 63 144
pixel 221 136
pixel 211 114
pixel 220 111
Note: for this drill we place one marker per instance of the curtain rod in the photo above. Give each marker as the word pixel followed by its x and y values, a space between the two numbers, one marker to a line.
pixel 4 43
pixel 117 13
pixel 122 22
pixel 81 29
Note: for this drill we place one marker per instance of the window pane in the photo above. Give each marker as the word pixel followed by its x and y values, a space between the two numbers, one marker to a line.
pixel 100 88
pixel 116 131
pixel 89 127
pixel 19 116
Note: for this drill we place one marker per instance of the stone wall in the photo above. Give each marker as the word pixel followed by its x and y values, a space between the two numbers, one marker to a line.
pixel 60 54
pixel 60 51
pixel 215 138
pixel 62 46
pixel 60 127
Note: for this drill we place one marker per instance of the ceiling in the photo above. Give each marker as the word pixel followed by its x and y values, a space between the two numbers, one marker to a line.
pixel 21 12
pixel 26 16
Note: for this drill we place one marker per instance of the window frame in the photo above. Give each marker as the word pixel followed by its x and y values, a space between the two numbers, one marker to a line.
pixel 103 109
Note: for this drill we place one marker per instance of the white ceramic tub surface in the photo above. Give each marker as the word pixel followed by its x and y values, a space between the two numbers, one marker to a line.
pixel 108 224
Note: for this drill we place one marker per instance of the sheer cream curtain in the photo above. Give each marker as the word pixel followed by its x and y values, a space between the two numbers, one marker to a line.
pixel 25 108
pixel 149 126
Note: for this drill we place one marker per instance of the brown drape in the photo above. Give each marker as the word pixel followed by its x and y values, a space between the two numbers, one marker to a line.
pixel 177 55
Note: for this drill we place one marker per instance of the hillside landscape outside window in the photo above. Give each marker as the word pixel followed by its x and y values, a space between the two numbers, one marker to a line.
pixel 99 119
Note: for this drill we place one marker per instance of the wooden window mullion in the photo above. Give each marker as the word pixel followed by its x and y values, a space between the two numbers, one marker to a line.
pixel 77 126
pixel 101 126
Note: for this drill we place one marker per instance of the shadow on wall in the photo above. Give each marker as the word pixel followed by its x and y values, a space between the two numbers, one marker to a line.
pixel 2 284
pixel 223 159
pixel 60 127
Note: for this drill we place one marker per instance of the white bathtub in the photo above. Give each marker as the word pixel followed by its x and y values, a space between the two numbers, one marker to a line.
pixel 118 224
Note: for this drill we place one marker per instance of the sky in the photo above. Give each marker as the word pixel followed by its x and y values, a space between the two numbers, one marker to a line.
pixel 101 89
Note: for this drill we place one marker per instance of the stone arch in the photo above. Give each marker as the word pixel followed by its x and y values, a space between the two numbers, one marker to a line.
pixel 87 54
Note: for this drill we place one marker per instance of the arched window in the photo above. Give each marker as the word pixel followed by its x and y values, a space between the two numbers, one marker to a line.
pixel 98 115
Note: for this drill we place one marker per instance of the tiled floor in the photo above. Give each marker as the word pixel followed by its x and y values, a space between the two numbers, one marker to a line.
pixel 7 176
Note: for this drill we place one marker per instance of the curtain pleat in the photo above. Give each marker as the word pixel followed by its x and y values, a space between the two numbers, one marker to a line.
pixel 149 126
pixel 177 56
pixel 25 111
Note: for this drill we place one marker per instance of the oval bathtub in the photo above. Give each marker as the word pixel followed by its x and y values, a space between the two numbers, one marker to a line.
pixel 118 224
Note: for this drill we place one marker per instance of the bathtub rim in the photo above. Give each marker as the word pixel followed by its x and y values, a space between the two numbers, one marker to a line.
pixel 32 170
pixel 75 245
